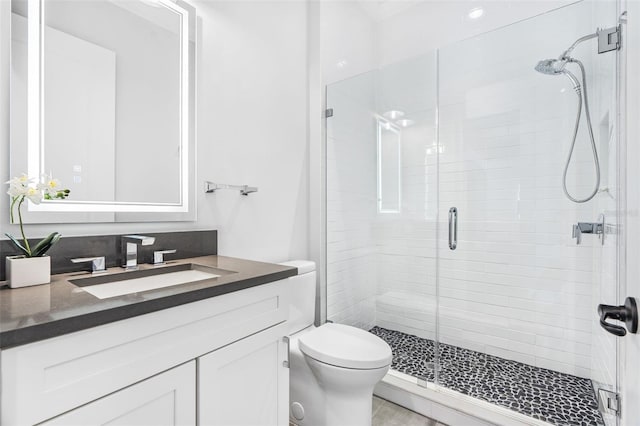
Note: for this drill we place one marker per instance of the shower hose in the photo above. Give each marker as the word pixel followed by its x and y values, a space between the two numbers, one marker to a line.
pixel 596 162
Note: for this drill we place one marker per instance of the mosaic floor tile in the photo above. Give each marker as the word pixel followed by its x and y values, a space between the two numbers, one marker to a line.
pixel 557 398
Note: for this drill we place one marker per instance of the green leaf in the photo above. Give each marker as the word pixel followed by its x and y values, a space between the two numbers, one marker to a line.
pixel 43 246
pixel 18 245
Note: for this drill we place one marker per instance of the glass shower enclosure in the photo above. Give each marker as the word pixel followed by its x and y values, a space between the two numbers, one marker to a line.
pixel 448 232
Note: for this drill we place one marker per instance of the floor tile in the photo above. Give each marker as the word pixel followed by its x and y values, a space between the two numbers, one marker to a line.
pixel 551 396
pixel 390 414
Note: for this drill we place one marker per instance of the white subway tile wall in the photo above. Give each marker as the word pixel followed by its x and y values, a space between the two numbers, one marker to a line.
pixel 518 286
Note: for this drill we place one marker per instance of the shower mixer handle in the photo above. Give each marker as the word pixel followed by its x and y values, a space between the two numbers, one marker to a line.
pixel 585 228
pixel 597 228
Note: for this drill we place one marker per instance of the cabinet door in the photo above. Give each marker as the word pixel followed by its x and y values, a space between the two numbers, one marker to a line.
pixel 164 400
pixel 246 383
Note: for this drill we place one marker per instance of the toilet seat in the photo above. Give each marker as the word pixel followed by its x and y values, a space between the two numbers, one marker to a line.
pixel 345 346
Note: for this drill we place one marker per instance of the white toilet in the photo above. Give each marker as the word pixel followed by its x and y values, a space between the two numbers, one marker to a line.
pixel 334 367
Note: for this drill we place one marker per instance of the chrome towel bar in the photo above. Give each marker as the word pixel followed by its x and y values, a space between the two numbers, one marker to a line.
pixel 213 187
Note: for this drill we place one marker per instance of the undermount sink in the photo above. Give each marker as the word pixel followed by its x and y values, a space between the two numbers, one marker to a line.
pixel 106 286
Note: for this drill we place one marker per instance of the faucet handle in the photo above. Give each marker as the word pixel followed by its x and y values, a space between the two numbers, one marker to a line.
pixel 598 228
pixel 577 234
pixel 158 256
pixel 97 263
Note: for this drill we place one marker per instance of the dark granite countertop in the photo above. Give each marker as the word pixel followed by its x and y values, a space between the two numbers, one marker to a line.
pixel 35 313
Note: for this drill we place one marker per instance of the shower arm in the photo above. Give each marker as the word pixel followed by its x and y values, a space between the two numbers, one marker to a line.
pixel 577 42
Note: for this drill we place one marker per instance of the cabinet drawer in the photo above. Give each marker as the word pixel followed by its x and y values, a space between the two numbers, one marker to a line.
pixel 44 379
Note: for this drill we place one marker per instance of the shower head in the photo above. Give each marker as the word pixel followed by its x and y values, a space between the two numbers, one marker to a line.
pixel 551 66
pixel 557 67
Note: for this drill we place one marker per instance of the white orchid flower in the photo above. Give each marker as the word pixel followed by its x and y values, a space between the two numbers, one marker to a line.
pixel 22 180
pixel 17 190
pixel 52 184
pixel 49 184
pixel 21 188
pixel 34 194
pixel 18 185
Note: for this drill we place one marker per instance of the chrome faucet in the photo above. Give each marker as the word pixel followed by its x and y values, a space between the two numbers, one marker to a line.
pixel 129 246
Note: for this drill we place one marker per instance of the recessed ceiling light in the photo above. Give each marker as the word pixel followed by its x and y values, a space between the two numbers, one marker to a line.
pixel 341 64
pixel 475 13
pixel 393 114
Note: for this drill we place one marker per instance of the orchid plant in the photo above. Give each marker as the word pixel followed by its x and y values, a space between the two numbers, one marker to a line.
pixel 23 188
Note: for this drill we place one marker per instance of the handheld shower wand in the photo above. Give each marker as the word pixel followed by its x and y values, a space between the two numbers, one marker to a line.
pixel 558 67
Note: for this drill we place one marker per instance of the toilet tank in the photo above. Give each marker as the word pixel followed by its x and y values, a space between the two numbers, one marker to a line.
pixel 302 309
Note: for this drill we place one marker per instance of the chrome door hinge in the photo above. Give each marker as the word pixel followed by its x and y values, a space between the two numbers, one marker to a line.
pixel 328 112
pixel 286 340
pixel 608 402
pixel 609 39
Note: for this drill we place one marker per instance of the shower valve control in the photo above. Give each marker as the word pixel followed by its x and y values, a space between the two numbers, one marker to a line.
pixel 597 228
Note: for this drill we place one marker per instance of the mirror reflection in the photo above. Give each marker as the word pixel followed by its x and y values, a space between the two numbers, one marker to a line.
pixel 389 167
pixel 103 100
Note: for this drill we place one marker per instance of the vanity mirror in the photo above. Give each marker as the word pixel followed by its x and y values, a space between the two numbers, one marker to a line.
pixel 103 98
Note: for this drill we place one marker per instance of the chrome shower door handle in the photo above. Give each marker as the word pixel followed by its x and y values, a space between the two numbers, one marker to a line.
pixel 453 228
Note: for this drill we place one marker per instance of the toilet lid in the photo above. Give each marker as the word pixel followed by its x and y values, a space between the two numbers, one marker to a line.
pixel 346 346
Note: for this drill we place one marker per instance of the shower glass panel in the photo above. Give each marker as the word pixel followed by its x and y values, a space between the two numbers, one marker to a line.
pixel 509 316
pixel 517 298
pixel 381 208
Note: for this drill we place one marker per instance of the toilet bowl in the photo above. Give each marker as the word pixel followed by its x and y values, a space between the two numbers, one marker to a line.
pixel 334 367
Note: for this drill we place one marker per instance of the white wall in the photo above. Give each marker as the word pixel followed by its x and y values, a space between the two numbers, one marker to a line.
pixel 347 40
pixel 252 105
pixel 252 126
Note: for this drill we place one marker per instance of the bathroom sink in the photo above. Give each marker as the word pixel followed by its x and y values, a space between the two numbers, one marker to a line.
pixel 106 286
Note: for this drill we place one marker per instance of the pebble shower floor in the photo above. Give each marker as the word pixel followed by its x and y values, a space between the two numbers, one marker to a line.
pixel 547 395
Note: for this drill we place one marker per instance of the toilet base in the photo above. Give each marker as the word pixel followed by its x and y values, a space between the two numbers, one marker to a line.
pixel 330 395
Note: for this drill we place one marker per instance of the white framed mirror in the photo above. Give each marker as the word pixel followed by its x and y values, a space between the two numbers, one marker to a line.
pixel 103 99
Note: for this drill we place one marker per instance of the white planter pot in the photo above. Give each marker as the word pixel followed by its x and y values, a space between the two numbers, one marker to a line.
pixel 25 271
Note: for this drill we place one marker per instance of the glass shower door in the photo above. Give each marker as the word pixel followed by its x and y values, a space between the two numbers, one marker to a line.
pixel 381 209
pixel 405 235
pixel 517 297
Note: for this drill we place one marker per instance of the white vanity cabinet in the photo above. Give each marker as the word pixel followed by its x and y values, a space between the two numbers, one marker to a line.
pixel 220 358
pixel 246 382
pixel 168 399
